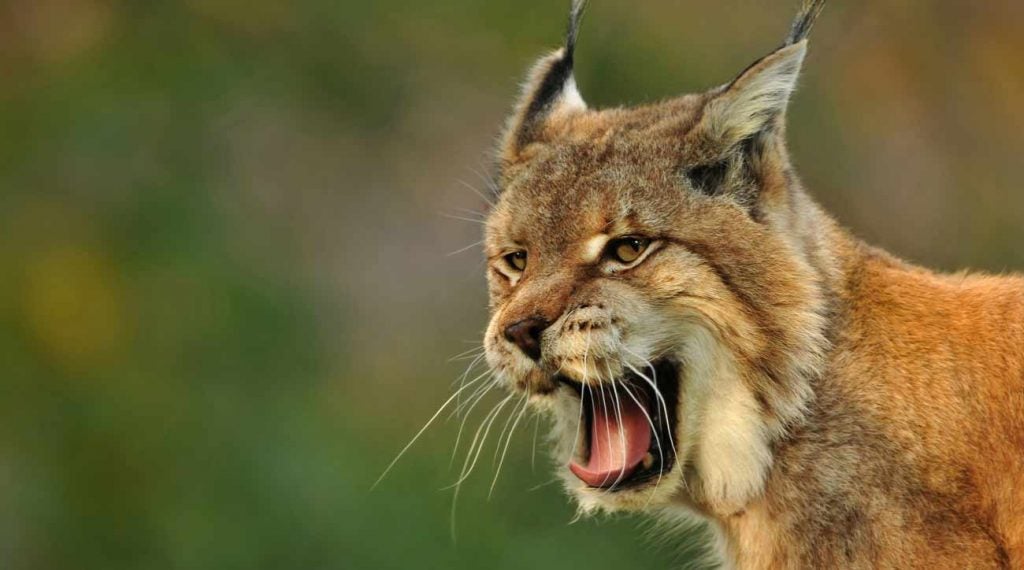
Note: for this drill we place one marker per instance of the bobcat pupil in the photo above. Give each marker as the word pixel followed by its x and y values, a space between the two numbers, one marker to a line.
pixel 629 249
pixel 516 260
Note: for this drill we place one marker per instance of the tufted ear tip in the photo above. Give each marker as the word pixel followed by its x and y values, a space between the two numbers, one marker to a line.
pixel 576 11
pixel 550 89
pixel 804 21
pixel 758 97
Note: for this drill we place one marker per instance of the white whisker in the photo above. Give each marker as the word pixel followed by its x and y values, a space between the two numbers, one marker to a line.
pixel 471 212
pixel 661 399
pixel 461 380
pixel 469 368
pixel 488 182
pixel 467 353
pixel 464 249
pixel 460 218
pixel 478 442
pixel 542 485
pixel 418 434
pixel 467 468
pixel 533 449
pixel 475 396
pixel 477 192
pixel 508 440
pixel 622 430
pixel 607 429
pixel 583 384
pixel 579 425
pixel 501 436
pixel 482 391
pixel 657 442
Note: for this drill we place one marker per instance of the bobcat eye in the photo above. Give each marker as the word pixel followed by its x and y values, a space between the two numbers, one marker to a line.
pixel 516 261
pixel 628 249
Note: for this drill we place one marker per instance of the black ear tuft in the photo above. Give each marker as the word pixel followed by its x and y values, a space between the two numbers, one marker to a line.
pixel 550 89
pixel 579 7
pixel 561 70
pixel 809 12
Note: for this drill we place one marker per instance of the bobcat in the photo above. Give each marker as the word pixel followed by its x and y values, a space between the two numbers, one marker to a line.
pixel 710 343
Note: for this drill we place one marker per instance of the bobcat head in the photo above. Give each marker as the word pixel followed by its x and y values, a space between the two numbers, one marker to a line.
pixel 656 280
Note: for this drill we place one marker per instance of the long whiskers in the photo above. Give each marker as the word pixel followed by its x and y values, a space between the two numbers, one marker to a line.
pixel 478 445
pixel 462 377
pixel 579 423
pixel 474 189
pixel 467 353
pixel 657 392
pixel 508 440
pixel 505 429
pixel 462 410
pixel 488 181
pixel 622 430
pixel 607 428
pixel 583 391
pixel 657 442
pixel 465 248
pixel 447 402
pixel 462 218
pixel 470 404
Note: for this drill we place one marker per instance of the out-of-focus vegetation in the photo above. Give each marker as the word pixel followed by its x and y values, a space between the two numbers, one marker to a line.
pixel 225 299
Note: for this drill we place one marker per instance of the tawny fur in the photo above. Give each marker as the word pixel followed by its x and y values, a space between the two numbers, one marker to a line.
pixel 838 407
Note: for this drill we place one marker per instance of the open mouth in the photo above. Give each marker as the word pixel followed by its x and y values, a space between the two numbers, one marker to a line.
pixel 627 428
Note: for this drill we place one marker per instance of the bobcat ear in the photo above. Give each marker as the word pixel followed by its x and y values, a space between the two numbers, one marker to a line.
pixel 550 90
pixel 759 96
pixel 755 99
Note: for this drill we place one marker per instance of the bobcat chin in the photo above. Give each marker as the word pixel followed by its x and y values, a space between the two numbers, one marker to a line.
pixel 710 343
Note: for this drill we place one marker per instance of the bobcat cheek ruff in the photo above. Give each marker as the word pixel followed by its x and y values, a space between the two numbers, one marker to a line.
pixel 577 181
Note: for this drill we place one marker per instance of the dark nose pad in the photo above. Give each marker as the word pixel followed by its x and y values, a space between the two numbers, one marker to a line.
pixel 526 335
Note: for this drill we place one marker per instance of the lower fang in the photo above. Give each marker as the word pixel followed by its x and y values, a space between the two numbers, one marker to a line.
pixel 648 460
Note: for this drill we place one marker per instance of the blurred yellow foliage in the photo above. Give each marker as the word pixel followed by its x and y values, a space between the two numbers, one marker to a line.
pixel 73 307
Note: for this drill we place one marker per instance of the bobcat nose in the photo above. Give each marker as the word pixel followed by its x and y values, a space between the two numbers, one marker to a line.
pixel 526 335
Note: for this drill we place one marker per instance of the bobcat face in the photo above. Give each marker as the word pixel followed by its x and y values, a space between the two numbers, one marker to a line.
pixel 647 288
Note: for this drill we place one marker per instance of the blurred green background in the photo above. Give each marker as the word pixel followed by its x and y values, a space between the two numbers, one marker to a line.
pixel 226 299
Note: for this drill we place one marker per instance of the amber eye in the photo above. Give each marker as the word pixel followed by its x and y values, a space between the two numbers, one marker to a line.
pixel 628 249
pixel 516 260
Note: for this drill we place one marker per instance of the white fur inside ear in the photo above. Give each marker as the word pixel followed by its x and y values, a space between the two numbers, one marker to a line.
pixel 570 99
pixel 532 112
pixel 756 97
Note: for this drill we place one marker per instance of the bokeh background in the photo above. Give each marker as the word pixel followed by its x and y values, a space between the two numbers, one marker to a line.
pixel 226 294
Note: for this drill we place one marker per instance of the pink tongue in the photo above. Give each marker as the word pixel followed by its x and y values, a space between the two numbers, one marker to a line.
pixel 616 448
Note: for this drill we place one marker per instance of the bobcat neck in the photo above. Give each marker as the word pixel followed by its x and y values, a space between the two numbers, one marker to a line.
pixel 925 377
